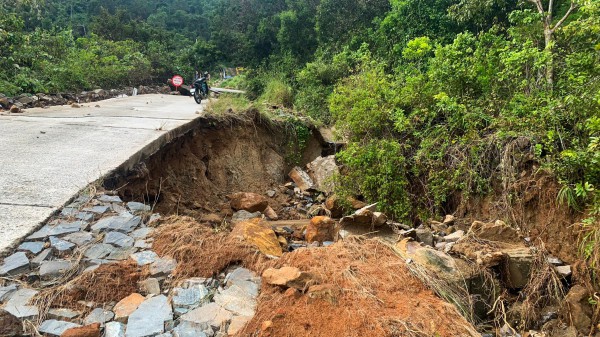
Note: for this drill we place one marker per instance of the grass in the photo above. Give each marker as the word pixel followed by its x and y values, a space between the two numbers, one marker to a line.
pixel 228 103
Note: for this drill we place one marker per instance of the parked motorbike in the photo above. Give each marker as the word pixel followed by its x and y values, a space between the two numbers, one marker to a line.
pixel 200 89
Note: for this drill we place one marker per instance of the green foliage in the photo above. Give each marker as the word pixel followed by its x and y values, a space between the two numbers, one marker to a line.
pixel 277 92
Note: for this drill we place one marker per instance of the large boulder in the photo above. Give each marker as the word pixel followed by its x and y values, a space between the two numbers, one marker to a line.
pixel 302 179
pixel 250 202
pixel 322 171
pixel 320 229
pixel 260 236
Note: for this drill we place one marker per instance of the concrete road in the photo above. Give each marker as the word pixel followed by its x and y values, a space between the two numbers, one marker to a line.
pixel 48 155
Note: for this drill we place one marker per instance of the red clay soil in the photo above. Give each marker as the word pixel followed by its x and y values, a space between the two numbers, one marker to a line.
pixel 364 289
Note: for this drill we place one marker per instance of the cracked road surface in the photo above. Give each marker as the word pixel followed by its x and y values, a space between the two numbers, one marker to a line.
pixel 48 155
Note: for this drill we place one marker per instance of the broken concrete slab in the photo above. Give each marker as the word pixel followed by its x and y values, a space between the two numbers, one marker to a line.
pixel 15 264
pixel 518 266
pixel 149 318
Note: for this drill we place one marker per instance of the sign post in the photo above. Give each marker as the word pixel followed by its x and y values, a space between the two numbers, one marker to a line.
pixel 177 81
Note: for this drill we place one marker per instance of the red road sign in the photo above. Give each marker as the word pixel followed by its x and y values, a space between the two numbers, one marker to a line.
pixel 177 80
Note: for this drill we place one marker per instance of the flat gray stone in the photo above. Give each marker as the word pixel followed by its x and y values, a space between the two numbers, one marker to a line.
pixel 99 251
pixel 100 209
pixel 18 305
pixel 190 298
pixel 242 215
pixel 99 315
pixel 60 245
pixel 56 328
pixel 79 238
pixel 144 258
pixel 114 329
pixel 142 233
pixel 454 236
pixel 15 264
pixel 237 300
pixel 142 244
pixel 118 239
pixel 149 318
pixel 34 247
pixel 6 292
pixel 211 314
pixel 121 253
pixel 63 314
pixel 43 256
pixel 54 269
pixel 56 230
pixel 85 216
pixel 162 267
pixel 121 223
pixel 138 207
pixel 69 211
pixel 150 286
pixel 191 329
pixel 241 274
pixel 109 198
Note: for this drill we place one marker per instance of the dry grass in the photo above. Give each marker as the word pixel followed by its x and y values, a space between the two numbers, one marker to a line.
pixel 199 250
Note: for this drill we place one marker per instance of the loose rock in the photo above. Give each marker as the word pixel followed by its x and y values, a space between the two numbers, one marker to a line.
pixel 149 318
pixel 127 306
pixel 15 264
pixel 263 238
pixel 320 228
pixel 250 202
pixel 55 328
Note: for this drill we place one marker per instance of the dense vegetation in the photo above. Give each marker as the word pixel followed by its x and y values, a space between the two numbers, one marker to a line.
pixel 433 96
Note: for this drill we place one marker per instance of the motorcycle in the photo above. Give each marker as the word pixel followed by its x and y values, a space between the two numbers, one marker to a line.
pixel 199 89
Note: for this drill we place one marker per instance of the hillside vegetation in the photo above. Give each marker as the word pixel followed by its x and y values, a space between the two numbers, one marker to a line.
pixel 433 97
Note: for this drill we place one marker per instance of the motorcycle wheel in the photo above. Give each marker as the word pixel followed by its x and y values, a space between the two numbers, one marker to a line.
pixel 197 96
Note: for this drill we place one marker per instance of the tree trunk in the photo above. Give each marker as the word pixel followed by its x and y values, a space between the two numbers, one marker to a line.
pixel 549 44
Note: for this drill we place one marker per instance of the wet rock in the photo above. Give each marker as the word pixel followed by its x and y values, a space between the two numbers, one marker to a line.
pixel 60 246
pixel 425 236
pixel 53 269
pixel 79 238
pixel 320 228
pixel 99 315
pixel 163 266
pixel 91 330
pixel 262 237
pixel 9 324
pixel 33 247
pixel 15 264
pixel 211 314
pixel 454 236
pixel 250 202
pixel 118 239
pixel 301 179
pixel 322 171
pixel 144 258
pixel 123 223
pixel 53 327
pixel 56 230
pixel 6 292
pixel 150 286
pixel 149 318
pixel 63 314
pixel 114 329
pixel 241 216
pixel 99 251
pixel 138 207
pixel 517 269
pixel 127 306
